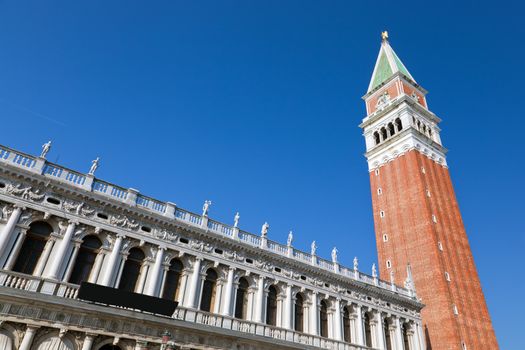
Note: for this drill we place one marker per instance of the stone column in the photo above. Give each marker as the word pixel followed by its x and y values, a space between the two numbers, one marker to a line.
pixel 359 330
pixel 88 342
pixel 28 338
pixel 61 251
pixel 153 285
pixel 398 334
pixel 9 227
pixel 144 271
pixel 194 284
pixel 113 263
pixel 259 312
pixel 39 268
pixel 16 250
pixel 227 309
pixel 380 331
pixel 95 272
pixel 314 314
pixel 420 336
pixel 338 324
pixel 72 261
pixel 288 309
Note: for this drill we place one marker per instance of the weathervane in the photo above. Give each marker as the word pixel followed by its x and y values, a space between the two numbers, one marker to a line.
pixel 384 35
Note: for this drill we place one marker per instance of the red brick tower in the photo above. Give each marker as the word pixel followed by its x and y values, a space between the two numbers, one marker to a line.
pixel 416 214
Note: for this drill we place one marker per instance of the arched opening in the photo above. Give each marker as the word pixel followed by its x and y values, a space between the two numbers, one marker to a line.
pixel 87 254
pixel 368 331
pixel 110 347
pixel 299 313
pixel 171 283
pixel 384 134
pixel 131 271
pixel 323 318
pixel 208 291
pixel 399 125
pixel 346 325
pixel 271 306
pixel 56 343
pixel 241 299
pixel 391 129
pixel 377 138
pixel 419 125
pixel 6 342
pixel 33 246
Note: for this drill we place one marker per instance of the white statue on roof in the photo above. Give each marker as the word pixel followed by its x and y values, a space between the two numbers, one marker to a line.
pixel 290 239
pixel 356 264
pixel 374 271
pixel 264 229
pixel 334 255
pixel 45 149
pixel 236 219
pixel 314 248
pixel 94 166
pixel 206 207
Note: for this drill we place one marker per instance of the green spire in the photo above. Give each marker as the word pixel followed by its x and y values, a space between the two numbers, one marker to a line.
pixel 387 64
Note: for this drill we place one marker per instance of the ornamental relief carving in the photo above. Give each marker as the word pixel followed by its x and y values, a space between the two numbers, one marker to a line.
pixel 79 208
pixel 25 192
pixel 124 222
pixel 6 211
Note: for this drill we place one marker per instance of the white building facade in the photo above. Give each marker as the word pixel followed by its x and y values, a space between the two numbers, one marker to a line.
pixel 236 290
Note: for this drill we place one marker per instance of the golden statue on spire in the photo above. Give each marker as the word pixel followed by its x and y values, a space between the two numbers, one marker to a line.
pixel 384 35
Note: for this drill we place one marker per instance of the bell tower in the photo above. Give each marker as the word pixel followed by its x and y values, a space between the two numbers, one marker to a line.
pixel 416 215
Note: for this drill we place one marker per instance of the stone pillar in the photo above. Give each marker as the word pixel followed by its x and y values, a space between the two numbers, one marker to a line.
pixel 259 308
pixel 153 285
pixel 39 268
pixel 380 331
pixel 28 338
pixel 420 336
pixel 338 324
pixel 61 251
pixel 8 229
pixel 194 284
pixel 359 326
pixel 398 334
pixel 88 342
pixel 69 270
pixel 141 283
pixel 288 309
pixel 227 309
pixel 95 272
pixel 16 250
pixel 113 263
pixel 314 314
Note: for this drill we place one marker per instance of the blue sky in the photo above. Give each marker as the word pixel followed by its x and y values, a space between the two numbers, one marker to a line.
pixel 255 105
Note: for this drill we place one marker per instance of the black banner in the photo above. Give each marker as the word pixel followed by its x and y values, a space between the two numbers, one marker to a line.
pixel 117 297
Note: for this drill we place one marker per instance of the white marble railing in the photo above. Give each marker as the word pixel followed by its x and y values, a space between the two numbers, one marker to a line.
pixel 128 196
pixel 65 290
pixel 260 329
